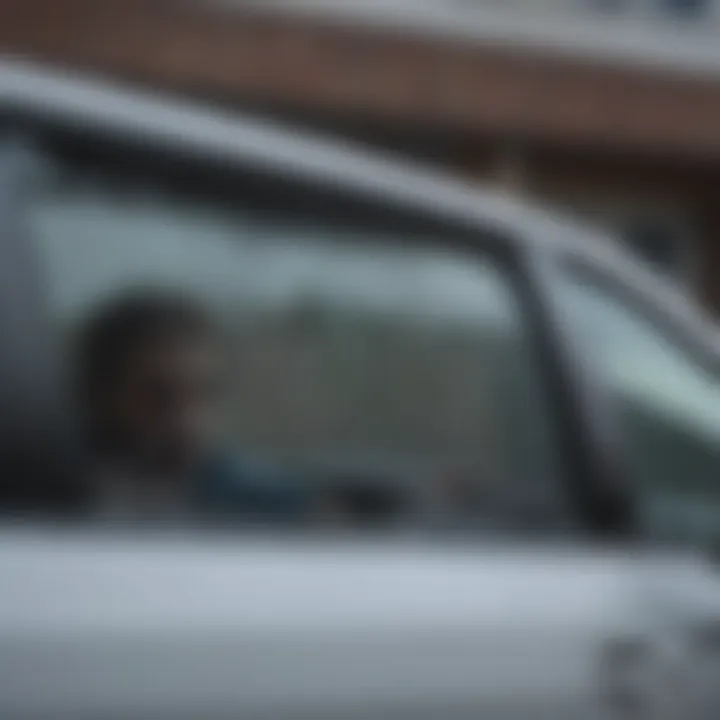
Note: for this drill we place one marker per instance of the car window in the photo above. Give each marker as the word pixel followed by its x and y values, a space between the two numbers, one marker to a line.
pixel 666 403
pixel 372 362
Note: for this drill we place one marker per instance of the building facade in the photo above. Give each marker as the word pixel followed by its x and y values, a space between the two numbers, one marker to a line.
pixel 606 108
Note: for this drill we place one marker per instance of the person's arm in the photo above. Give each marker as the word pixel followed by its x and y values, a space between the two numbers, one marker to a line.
pixel 236 489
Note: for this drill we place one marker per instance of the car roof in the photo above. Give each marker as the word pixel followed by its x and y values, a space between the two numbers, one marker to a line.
pixel 95 103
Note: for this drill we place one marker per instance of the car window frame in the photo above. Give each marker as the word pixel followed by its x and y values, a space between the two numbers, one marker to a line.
pixel 508 249
pixel 38 446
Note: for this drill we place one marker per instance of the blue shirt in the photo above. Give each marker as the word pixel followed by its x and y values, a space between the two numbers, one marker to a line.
pixel 232 488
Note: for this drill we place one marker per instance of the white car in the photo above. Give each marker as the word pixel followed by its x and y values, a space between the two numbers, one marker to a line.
pixel 420 321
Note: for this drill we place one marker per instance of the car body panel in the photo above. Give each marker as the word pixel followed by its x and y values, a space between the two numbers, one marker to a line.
pixel 102 621
pixel 102 624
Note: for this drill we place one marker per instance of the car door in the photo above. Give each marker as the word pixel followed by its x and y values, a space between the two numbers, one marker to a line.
pixel 661 380
pixel 371 336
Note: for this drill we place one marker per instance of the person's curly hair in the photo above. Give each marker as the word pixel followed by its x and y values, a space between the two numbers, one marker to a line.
pixel 118 329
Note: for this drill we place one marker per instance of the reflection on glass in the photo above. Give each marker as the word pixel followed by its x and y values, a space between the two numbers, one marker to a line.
pixel 351 355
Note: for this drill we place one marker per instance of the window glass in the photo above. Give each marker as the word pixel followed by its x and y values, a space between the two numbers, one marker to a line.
pixel 667 405
pixel 392 380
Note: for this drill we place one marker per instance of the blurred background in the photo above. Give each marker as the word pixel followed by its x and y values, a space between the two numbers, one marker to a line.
pixel 609 109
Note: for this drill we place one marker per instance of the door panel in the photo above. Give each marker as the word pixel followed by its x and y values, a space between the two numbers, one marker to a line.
pixel 272 628
pixel 389 360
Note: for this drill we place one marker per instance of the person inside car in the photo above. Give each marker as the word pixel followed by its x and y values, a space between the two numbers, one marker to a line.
pixel 149 379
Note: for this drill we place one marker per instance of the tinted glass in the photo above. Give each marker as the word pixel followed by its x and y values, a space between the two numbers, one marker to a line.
pixel 368 364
